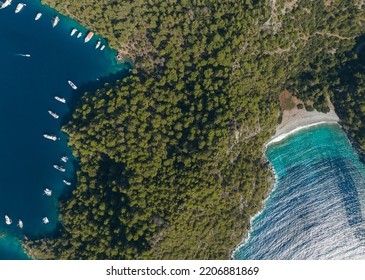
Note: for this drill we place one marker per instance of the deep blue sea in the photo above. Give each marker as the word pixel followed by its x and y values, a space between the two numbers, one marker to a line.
pixel 27 89
pixel 317 207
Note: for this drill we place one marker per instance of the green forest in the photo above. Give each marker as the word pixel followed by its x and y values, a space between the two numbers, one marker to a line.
pixel 171 156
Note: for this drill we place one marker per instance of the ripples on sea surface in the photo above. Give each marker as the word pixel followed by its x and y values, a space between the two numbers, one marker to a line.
pixel 316 210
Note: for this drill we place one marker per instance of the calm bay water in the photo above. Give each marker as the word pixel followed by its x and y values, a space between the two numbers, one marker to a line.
pixel 27 89
pixel 317 208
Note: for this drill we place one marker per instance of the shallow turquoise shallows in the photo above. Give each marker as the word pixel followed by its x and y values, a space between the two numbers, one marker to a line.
pixel 317 208
pixel 36 62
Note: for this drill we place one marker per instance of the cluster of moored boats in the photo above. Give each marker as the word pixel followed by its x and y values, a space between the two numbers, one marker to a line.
pixel 47 191
pixel 87 38
pixel 53 137
pixel 55 115
pixel 20 223
pixel 55 21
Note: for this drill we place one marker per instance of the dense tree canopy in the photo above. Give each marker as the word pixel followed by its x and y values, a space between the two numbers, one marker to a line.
pixel 171 156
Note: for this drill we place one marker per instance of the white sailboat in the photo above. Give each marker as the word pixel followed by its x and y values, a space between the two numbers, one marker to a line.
pixel 73 31
pixel 8 221
pixel 38 16
pixel 20 223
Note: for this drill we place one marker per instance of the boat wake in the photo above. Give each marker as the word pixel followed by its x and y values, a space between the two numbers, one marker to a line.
pixel 23 54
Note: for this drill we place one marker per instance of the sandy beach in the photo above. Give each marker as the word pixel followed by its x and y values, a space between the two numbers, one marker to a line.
pixel 297 119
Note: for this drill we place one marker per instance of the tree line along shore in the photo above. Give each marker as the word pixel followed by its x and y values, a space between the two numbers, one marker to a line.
pixel 171 163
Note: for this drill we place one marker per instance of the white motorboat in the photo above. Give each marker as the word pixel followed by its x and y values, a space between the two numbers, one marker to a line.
pixel 73 31
pixel 74 87
pixel 19 7
pixel 55 21
pixel 45 220
pixel 8 221
pixel 38 16
pixel 5 4
pixel 60 99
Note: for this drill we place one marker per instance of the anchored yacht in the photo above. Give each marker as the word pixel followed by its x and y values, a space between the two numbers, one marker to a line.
pixel 55 21
pixel 59 168
pixel 60 99
pixel 47 192
pixel 50 137
pixel 89 36
pixel 8 221
pixel 74 87
pixel 45 220
pixel 53 114
pixel 38 16
pixel 19 7
pixel 5 4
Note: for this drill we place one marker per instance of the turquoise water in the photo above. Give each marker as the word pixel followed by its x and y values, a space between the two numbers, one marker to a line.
pixel 317 208
pixel 27 89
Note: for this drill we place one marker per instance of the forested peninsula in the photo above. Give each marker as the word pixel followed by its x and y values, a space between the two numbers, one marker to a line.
pixel 171 156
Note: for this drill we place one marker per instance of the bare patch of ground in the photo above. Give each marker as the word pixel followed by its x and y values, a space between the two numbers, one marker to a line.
pixel 294 119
